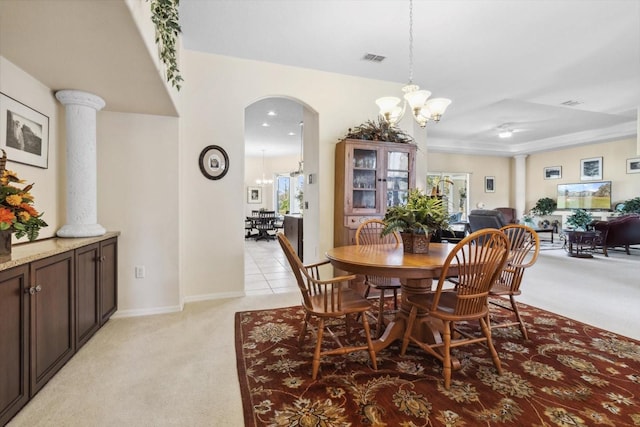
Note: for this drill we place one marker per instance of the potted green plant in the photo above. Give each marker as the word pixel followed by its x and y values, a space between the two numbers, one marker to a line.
pixel 580 219
pixel 416 220
pixel 631 206
pixel 544 206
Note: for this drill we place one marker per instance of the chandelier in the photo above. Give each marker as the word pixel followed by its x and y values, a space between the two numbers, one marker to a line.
pixel 263 181
pixel 423 110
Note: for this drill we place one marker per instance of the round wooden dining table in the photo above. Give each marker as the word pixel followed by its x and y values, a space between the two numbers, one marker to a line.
pixel 416 273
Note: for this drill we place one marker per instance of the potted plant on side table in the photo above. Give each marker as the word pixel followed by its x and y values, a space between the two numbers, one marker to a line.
pixel 416 220
pixel 581 241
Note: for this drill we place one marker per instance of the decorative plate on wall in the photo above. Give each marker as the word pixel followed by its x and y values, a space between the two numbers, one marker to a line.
pixel 214 162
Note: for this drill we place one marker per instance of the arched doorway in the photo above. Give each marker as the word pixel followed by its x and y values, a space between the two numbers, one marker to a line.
pixel 281 145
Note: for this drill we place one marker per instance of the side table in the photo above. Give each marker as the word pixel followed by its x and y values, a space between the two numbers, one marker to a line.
pixel 580 244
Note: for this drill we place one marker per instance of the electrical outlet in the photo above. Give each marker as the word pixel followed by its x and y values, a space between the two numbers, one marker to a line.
pixel 140 272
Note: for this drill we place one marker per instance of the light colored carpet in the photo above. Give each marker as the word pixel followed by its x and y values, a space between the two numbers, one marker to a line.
pixel 180 370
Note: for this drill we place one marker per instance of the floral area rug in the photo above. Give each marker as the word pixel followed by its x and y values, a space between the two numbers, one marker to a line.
pixel 567 374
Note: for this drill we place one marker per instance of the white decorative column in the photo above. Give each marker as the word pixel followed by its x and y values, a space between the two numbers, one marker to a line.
pixel 82 213
pixel 521 184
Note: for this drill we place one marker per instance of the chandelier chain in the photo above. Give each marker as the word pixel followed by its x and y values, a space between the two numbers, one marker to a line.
pixel 410 41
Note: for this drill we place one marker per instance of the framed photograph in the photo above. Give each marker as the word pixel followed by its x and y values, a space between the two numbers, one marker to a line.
pixel 24 133
pixel 214 162
pixel 553 172
pixel 254 195
pixel 633 165
pixel 489 184
pixel 591 169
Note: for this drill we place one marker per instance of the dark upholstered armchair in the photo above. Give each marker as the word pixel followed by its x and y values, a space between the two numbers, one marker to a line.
pixel 621 231
pixel 485 218
pixel 509 215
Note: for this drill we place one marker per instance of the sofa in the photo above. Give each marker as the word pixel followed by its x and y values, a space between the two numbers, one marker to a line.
pixel 620 231
pixel 486 218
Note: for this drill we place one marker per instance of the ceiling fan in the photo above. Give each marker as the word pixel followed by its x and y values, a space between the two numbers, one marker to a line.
pixel 506 130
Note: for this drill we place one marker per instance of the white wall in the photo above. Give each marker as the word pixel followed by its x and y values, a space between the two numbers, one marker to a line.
pixel 217 90
pixel 48 191
pixel 272 167
pixel 138 196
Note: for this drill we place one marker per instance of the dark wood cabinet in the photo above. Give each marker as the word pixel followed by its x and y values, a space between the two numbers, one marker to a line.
pixel 50 305
pixel 370 176
pixel 14 340
pixel 96 287
pixel 52 317
pixel 108 279
pixel 292 226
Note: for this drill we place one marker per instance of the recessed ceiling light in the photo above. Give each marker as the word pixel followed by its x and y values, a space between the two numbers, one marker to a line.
pixel 272 113
pixel 265 125
pixel 291 133
pixel 505 133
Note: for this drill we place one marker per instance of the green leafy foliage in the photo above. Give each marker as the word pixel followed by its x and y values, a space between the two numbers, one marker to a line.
pixel 544 206
pixel 164 15
pixel 379 130
pixel 421 214
pixel 580 219
pixel 631 206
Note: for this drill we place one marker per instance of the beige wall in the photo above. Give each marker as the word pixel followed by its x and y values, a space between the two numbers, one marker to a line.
pixel 478 167
pixel 614 157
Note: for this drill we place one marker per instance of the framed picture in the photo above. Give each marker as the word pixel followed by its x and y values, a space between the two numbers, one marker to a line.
pixel 633 165
pixel 24 133
pixel 553 172
pixel 591 169
pixel 489 184
pixel 254 195
pixel 214 162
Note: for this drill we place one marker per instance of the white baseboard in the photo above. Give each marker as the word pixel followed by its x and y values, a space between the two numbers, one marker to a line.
pixel 175 308
pixel 207 297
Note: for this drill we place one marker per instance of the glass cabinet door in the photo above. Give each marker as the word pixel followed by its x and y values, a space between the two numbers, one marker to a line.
pixel 397 177
pixel 364 178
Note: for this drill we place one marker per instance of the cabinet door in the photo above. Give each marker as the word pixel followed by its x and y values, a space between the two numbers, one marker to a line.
pixel 52 317
pixel 108 279
pixel 14 349
pixel 363 183
pixel 87 293
pixel 398 175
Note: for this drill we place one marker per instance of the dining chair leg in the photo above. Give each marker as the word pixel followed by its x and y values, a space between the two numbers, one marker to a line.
pixel 395 299
pixel 372 352
pixel 446 359
pixel 407 333
pixel 316 354
pixel 303 329
pixel 523 328
pixel 380 321
pixel 486 330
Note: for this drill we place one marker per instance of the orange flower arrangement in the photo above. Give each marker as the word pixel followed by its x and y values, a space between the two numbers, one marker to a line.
pixel 16 207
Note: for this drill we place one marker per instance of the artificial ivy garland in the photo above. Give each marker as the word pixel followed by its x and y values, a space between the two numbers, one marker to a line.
pixel 164 15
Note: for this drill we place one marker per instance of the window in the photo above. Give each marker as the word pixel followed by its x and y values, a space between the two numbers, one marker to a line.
pixel 289 193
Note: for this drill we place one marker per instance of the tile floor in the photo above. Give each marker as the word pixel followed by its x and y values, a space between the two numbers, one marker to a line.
pixel 266 270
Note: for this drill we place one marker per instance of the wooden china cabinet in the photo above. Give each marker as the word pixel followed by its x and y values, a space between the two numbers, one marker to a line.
pixel 369 177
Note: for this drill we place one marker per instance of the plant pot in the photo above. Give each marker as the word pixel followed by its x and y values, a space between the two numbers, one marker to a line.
pixel 416 243
pixel 5 242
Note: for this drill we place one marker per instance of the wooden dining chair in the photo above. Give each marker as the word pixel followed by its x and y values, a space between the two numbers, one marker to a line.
pixel 323 300
pixel 369 233
pixel 476 261
pixel 524 247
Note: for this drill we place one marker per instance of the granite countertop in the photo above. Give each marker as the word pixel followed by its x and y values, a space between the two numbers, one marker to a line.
pixel 24 253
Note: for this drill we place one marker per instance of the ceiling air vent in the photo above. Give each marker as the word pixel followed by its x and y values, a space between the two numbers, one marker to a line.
pixel 373 57
pixel 571 103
